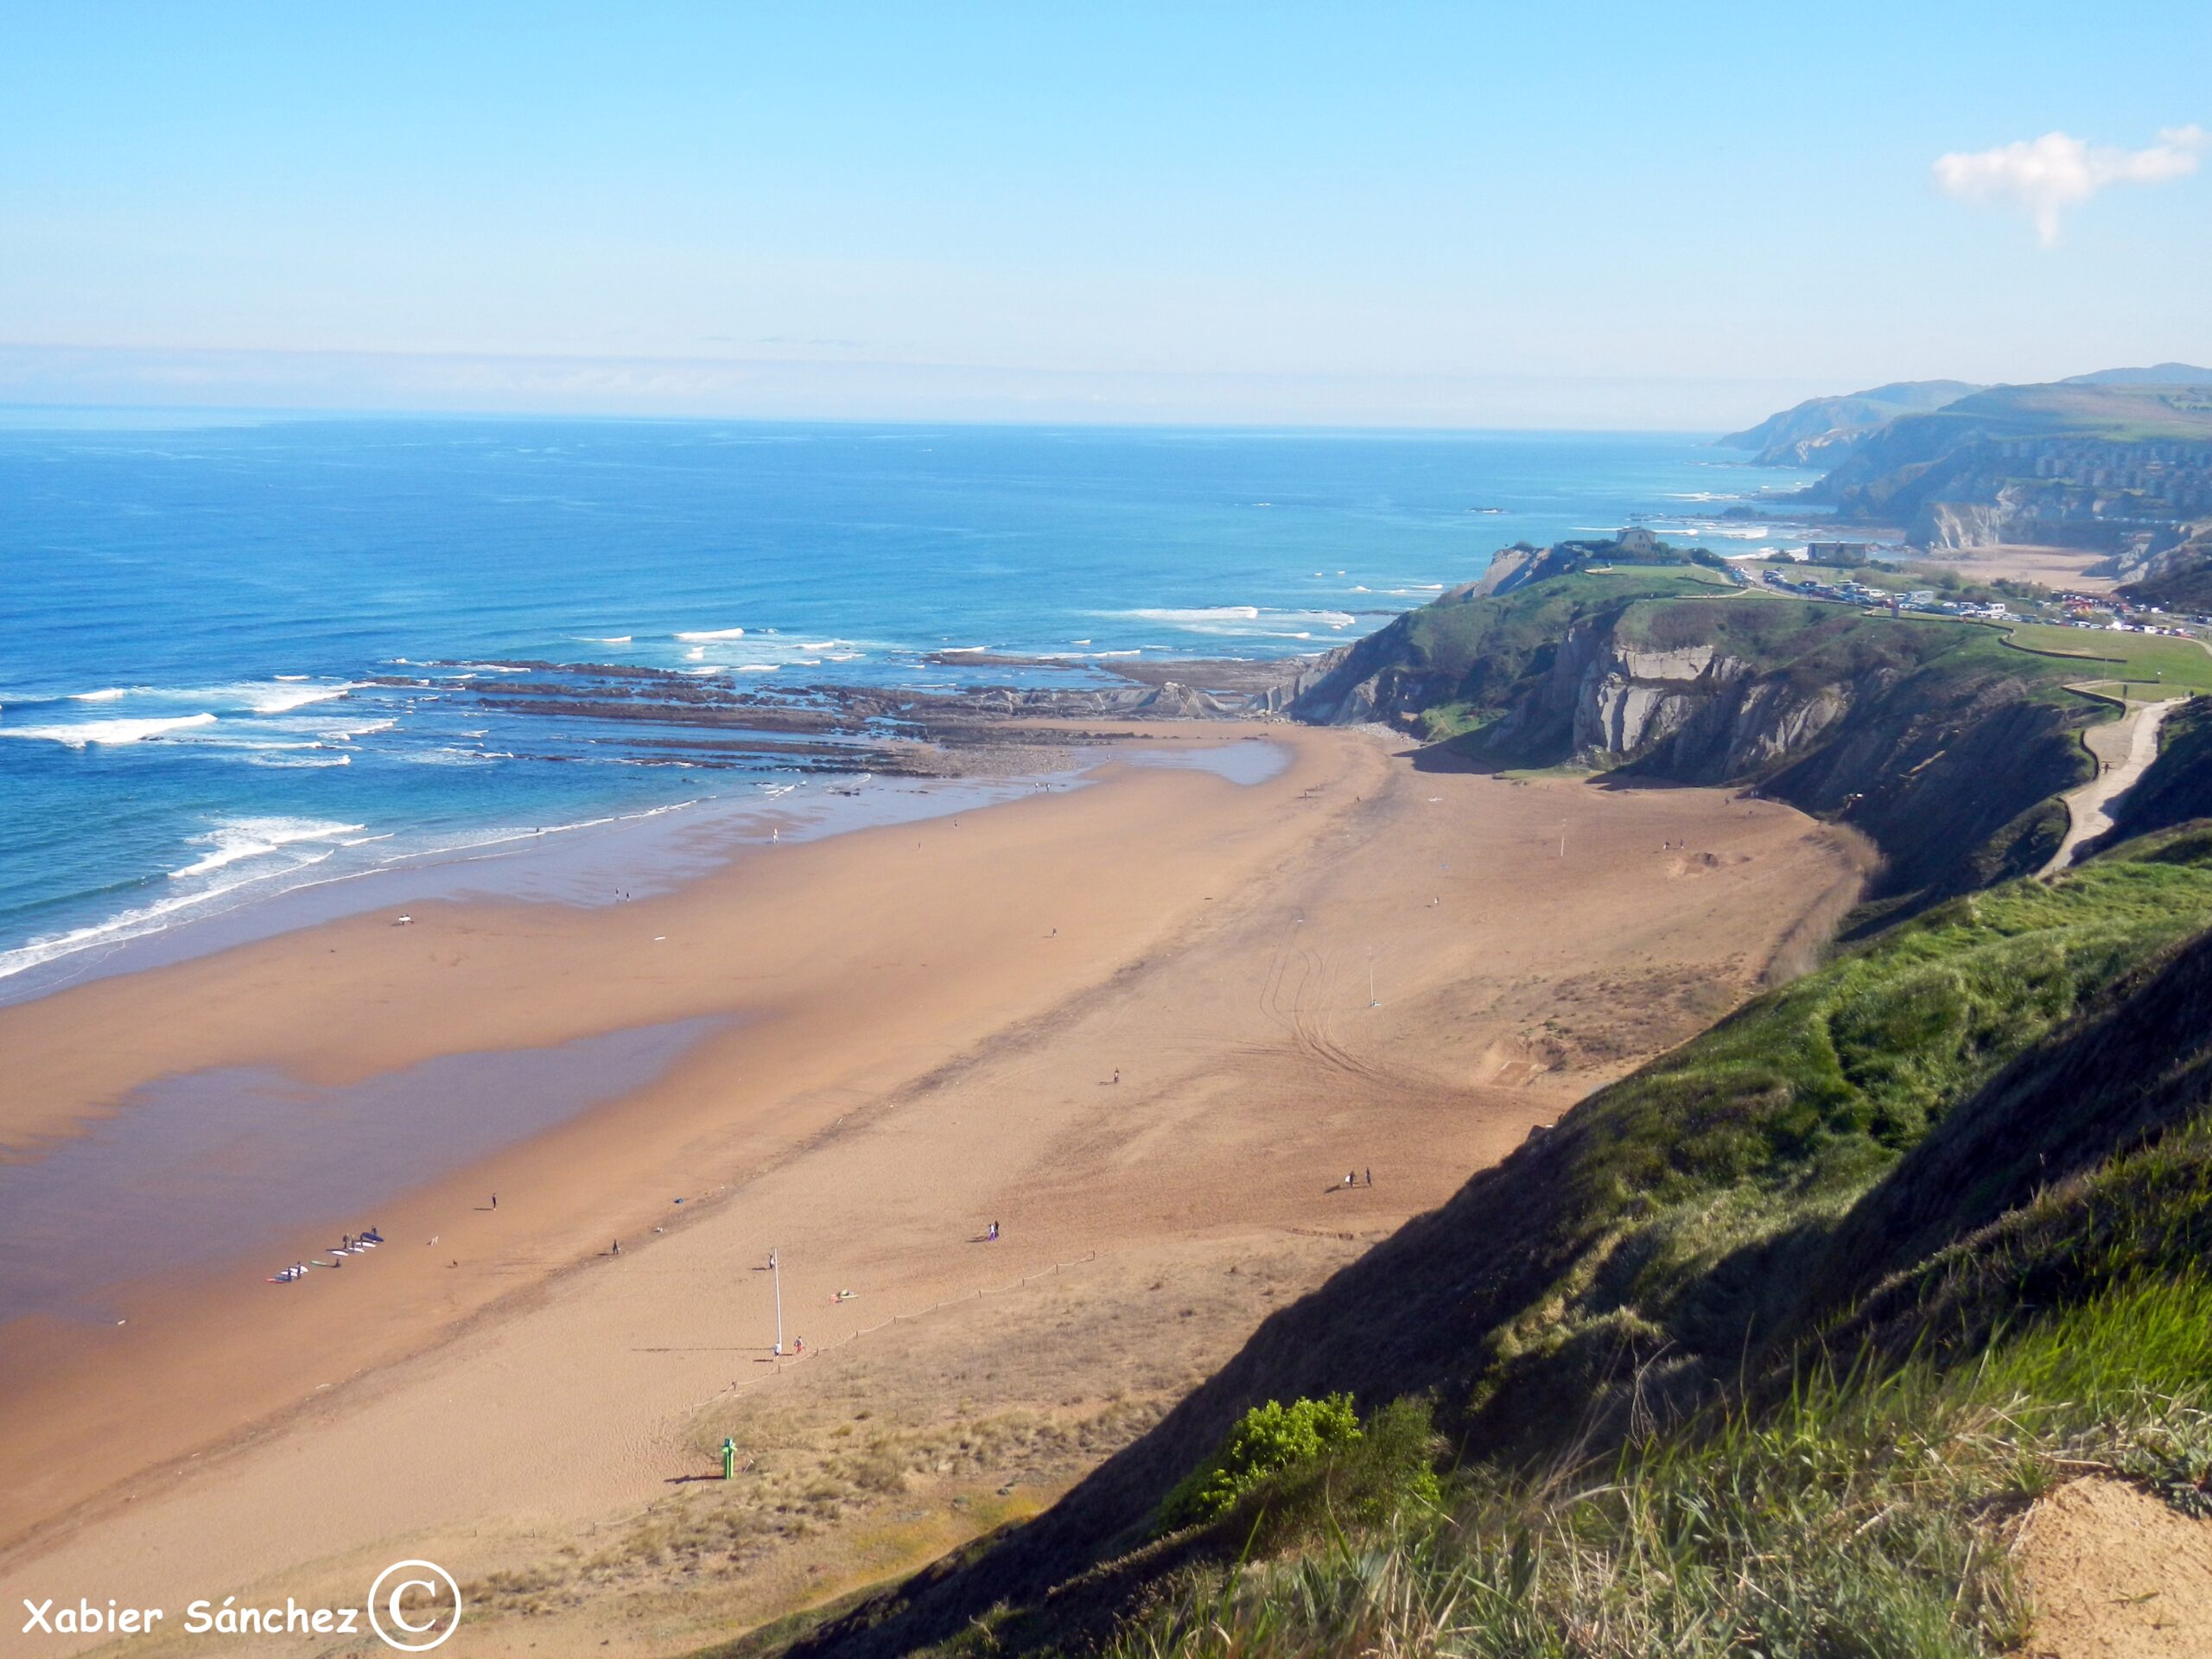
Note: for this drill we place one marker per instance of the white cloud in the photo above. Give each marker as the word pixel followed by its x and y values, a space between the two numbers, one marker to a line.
pixel 2048 175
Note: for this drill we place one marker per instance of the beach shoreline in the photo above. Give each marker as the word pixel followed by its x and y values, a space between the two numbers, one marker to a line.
pixel 70 1077
pixel 588 862
pixel 913 1031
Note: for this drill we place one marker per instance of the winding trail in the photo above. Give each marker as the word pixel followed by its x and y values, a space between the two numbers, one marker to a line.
pixel 2123 748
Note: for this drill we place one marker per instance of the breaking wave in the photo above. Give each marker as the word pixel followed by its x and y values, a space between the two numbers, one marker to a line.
pixel 107 732
pixel 236 839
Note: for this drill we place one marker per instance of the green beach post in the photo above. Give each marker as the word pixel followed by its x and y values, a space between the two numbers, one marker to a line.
pixel 729 1458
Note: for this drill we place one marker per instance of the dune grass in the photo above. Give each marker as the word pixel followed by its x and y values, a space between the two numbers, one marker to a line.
pixel 1866 1513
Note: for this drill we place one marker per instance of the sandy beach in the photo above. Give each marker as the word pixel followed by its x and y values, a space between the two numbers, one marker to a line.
pixel 2065 570
pixel 1146 1026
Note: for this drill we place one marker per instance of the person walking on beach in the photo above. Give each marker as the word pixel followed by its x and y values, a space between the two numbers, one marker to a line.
pixel 618 1247
pixel 992 1236
pixel 495 1200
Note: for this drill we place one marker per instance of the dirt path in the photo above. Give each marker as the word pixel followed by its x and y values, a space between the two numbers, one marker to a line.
pixel 2123 748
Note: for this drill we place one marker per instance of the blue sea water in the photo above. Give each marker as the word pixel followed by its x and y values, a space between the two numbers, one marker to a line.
pixel 192 612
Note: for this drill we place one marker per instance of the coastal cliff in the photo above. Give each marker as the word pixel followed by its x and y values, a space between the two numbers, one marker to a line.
pixel 2111 464
pixel 1891 725
pixel 1821 431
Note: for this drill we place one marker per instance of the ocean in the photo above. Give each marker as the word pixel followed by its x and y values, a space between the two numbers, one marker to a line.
pixel 226 645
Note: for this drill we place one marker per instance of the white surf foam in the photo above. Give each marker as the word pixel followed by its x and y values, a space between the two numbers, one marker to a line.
pixel 283 698
pixel 107 732
pixel 1208 614
pixel 345 731
pixel 207 892
pixel 711 633
pixel 1233 620
pixel 130 925
pixel 275 697
pixel 236 839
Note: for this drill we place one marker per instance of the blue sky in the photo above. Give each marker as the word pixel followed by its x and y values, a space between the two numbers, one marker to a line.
pixel 1559 215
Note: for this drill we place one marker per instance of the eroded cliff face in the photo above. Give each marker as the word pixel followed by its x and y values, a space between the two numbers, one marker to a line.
pixel 1356 684
pixel 1952 774
pixel 1713 715
pixel 2037 512
pixel 1603 703
pixel 1627 700
pixel 1705 716
pixel 1981 490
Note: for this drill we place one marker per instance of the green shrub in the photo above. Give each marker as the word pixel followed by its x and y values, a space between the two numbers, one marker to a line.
pixel 1309 1468
pixel 1267 1440
pixel 1863 1516
pixel 1384 1475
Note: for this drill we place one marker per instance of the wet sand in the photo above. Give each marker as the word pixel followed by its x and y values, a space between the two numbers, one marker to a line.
pixel 908 1032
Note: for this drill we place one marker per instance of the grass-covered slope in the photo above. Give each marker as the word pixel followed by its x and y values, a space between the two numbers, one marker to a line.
pixel 1756 1350
pixel 1823 424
